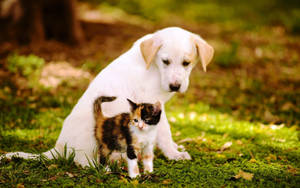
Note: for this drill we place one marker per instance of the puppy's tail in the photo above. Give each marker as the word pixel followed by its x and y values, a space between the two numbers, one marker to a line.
pixel 50 154
pixel 97 105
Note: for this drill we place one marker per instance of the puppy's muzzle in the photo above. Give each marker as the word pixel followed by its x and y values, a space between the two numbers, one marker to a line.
pixel 174 87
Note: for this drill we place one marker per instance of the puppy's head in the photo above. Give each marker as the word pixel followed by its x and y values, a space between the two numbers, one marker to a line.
pixel 175 52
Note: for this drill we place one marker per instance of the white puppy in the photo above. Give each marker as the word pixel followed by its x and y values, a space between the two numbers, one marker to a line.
pixel 153 69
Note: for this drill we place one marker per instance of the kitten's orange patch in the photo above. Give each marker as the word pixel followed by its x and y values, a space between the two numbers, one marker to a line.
pixel 134 140
pixel 147 157
pixel 104 150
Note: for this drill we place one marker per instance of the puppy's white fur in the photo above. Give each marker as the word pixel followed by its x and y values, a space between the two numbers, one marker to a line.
pixel 140 75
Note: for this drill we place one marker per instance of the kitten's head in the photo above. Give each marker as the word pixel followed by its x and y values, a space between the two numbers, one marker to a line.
pixel 144 114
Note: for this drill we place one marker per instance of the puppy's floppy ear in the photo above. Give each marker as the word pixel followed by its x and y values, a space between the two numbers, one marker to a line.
pixel 149 48
pixel 204 50
pixel 132 105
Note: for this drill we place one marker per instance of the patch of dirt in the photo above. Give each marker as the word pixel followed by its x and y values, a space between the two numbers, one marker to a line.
pixel 102 40
pixel 54 74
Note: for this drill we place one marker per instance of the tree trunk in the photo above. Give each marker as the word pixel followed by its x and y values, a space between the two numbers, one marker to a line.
pixel 41 20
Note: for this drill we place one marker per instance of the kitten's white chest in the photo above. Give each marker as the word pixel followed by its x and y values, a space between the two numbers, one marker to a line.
pixel 145 136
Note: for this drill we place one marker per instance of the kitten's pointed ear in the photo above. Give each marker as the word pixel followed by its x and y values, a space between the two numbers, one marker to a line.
pixel 132 104
pixel 157 107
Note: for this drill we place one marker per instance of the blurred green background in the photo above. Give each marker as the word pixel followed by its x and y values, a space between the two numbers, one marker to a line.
pixel 229 13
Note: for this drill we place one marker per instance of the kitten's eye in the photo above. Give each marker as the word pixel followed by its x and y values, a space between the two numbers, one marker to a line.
pixel 166 62
pixel 135 120
pixel 185 63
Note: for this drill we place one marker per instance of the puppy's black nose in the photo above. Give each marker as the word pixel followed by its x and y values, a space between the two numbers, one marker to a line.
pixel 174 87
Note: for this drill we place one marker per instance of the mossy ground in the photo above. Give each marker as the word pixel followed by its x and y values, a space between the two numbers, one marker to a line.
pixel 242 115
pixel 269 152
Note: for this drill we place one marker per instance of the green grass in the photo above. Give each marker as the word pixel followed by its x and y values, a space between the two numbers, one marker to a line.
pixel 271 155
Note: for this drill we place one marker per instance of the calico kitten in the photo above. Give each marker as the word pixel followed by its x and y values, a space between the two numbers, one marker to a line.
pixel 133 133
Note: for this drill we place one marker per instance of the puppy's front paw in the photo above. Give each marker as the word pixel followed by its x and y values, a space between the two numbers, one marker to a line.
pixel 180 147
pixel 179 156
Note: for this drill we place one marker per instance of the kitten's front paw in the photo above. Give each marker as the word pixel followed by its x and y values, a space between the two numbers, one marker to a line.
pixel 148 168
pixel 133 175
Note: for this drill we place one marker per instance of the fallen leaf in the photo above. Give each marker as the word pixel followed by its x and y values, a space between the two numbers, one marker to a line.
pixel 271 157
pixel 53 178
pixel 70 174
pixel 245 175
pixel 239 142
pixel 52 166
pixel 225 146
pixel 185 140
pixel 268 116
pixel 20 185
pixel 252 160
pixel 98 180
pixel 167 181
pixel 292 170
pixel 281 158
pixel 199 138
pixel 287 106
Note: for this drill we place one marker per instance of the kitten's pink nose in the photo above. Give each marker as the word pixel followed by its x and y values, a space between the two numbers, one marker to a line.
pixel 141 126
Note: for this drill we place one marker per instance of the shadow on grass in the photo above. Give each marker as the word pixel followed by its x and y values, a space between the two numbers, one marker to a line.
pixel 11 143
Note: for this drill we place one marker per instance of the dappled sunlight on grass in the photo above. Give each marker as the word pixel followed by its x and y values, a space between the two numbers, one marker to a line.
pixel 263 149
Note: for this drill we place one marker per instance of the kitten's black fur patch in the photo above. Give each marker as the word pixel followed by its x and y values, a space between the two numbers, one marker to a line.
pixel 109 138
pixel 149 116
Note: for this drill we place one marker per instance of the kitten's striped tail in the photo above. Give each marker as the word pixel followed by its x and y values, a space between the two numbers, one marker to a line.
pixel 99 101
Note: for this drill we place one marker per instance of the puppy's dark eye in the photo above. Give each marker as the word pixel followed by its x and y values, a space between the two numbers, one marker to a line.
pixel 185 63
pixel 166 62
pixel 135 120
